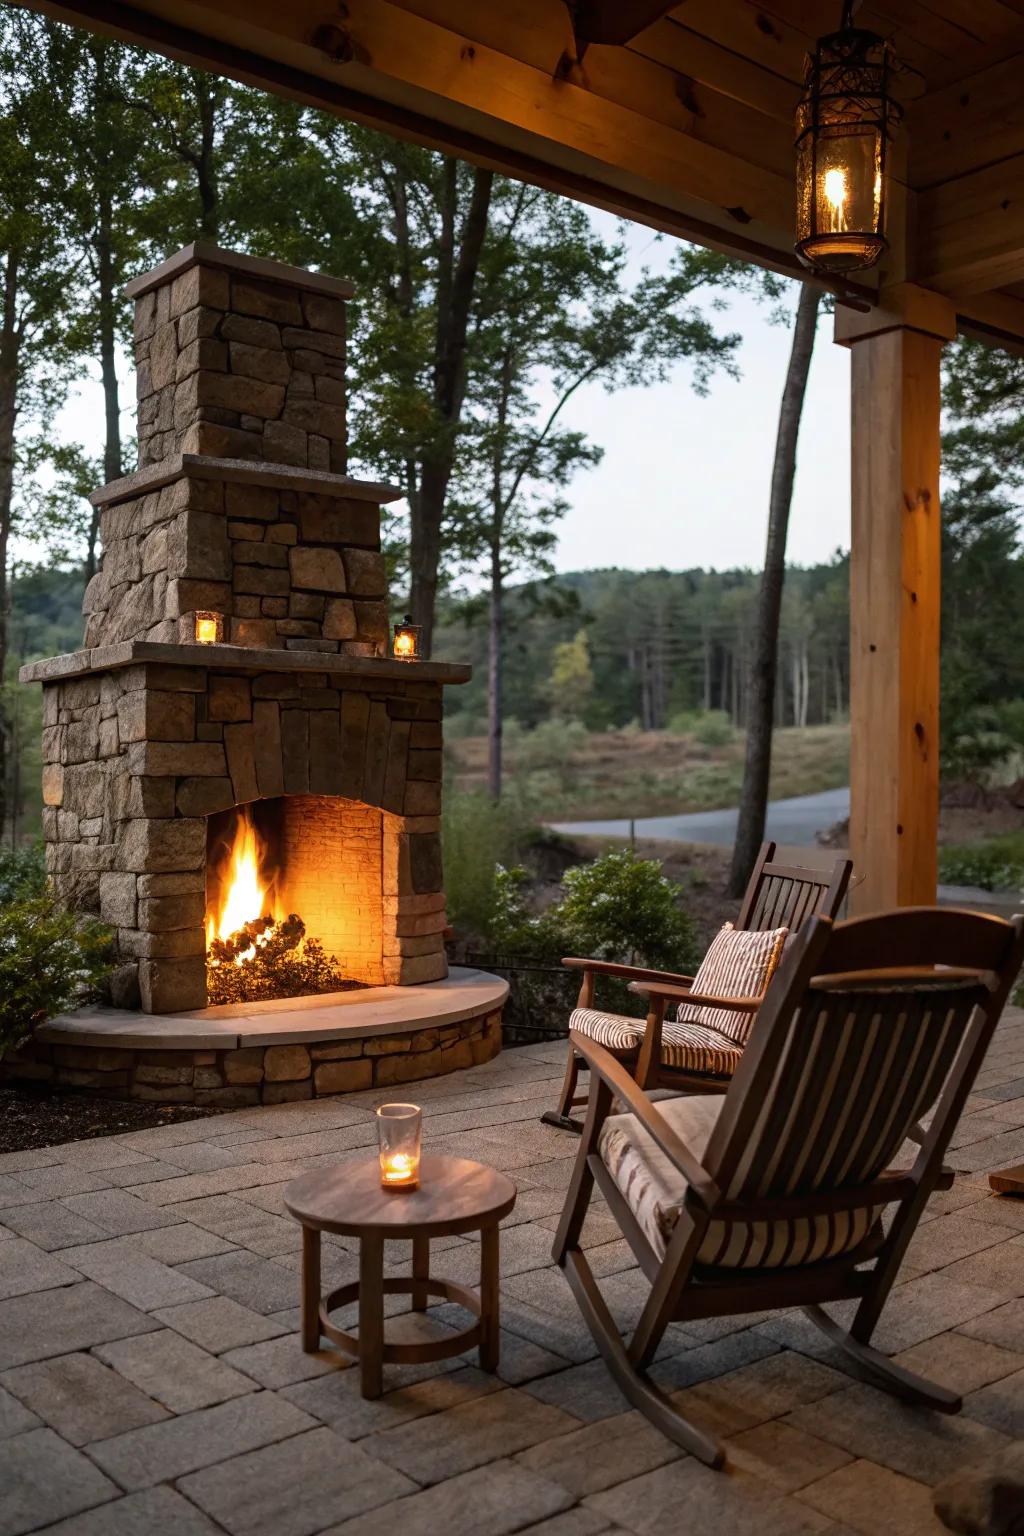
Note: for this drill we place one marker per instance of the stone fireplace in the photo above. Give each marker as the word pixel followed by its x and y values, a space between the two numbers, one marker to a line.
pixel 293 724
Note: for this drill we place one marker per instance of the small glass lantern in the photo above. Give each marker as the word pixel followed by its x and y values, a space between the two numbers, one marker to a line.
pixel 406 645
pixel 845 120
pixel 209 628
pixel 399 1131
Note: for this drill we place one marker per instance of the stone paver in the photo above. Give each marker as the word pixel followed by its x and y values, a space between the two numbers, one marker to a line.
pixel 81 1398
pixel 294 1488
pixel 162 1452
pixel 491 1501
pixel 219 1324
pixel 75 1317
pixel 174 1371
pixel 25 1268
pixel 177 1362
pixel 44 1479
pixel 153 1512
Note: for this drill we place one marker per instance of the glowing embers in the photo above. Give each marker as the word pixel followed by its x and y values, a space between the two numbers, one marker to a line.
pixel 254 948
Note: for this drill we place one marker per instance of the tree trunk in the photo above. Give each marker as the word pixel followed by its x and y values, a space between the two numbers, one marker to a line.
pixel 106 285
pixel 757 768
pixel 9 361
pixel 208 99
pixel 495 676
pixel 456 285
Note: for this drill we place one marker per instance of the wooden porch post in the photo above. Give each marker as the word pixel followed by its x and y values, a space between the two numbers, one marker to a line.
pixel 895 595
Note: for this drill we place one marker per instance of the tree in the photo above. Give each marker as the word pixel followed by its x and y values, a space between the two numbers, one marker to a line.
pixel 761 695
pixel 39 276
pixel 553 313
pixel 572 678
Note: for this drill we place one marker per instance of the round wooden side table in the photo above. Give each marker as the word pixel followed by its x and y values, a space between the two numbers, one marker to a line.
pixel 454 1196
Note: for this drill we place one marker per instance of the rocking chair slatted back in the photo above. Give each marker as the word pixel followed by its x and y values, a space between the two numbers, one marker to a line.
pixel 785 896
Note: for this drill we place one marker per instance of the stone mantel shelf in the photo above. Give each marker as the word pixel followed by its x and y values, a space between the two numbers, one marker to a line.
pixel 128 653
pixel 201 466
pixel 464 994
pixel 205 253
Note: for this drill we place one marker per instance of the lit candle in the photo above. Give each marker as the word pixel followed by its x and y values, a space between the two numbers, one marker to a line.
pixel 209 628
pixel 835 195
pixel 406 645
pixel 399 1128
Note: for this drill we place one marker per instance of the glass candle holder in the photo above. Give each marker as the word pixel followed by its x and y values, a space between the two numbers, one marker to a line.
pixel 399 1130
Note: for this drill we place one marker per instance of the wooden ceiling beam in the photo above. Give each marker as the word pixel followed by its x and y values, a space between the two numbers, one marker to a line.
pixel 614 21
pixel 970 123
pixel 970 231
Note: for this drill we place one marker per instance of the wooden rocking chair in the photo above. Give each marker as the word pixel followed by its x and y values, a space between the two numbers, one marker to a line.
pixel 777 896
pixel 773 1195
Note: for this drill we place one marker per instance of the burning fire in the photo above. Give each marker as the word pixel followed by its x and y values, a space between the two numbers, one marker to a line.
pixel 243 896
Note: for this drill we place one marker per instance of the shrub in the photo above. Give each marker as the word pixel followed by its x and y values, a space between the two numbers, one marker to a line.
pixel 49 959
pixel 622 907
pixel 714 729
pixel 478 837
pixel 997 864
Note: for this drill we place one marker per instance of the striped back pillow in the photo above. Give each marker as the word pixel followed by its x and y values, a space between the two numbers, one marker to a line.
pixel 738 964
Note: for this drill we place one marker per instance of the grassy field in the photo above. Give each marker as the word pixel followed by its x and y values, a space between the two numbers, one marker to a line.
pixel 575 775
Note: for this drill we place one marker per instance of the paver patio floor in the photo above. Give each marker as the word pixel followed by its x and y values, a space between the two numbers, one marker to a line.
pixel 152 1384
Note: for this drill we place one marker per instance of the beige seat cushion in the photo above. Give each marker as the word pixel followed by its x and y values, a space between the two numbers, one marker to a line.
pixel 654 1190
pixel 685 1047
pixel 737 964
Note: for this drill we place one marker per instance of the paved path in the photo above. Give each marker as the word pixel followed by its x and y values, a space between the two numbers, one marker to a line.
pixel 794 822
pixel 151 1379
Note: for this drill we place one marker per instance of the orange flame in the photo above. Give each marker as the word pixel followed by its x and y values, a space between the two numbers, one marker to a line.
pixel 243 895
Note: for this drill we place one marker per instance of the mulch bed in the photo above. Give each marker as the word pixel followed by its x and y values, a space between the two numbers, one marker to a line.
pixel 34 1118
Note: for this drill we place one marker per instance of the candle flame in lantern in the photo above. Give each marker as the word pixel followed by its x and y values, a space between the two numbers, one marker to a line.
pixel 834 188
pixel 243 895
pixel 405 643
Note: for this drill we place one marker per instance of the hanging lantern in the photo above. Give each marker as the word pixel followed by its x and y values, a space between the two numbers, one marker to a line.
pixel 844 122
pixel 406 645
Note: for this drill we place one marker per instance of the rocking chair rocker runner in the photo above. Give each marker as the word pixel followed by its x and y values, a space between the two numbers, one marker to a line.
pixel 773 1195
pixel 777 896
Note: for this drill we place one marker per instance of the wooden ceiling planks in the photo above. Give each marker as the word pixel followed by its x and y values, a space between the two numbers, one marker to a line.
pixel 687 128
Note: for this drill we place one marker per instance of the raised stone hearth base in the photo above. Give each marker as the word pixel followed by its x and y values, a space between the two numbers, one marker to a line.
pixel 272 1053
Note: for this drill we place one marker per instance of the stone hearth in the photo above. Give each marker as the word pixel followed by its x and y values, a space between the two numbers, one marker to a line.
pixel 242 515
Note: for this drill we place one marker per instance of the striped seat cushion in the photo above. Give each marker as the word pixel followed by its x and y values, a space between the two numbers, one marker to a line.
pixel 612 1030
pixel 686 1047
pixel 654 1190
pixel 738 964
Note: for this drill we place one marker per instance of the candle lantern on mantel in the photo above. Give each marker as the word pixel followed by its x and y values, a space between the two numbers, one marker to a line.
pixel 845 120
pixel 209 628
pixel 406 645
pixel 399 1130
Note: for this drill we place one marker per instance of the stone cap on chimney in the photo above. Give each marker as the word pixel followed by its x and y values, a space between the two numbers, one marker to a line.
pixel 285 477
pixel 204 253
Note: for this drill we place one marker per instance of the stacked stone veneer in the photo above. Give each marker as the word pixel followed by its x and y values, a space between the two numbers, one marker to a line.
pixel 289 559
pixel 273 1074
pixel 147 734
pixel 240 358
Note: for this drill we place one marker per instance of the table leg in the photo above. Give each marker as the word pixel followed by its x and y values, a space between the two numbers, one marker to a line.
pixel 371 1315
pixel 420 1271
pixel 310 1290
pixel 490 1319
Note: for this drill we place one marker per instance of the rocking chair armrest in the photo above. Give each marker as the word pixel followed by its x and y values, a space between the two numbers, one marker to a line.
pixel 670 994
pixel 604 1065
pixel 626 972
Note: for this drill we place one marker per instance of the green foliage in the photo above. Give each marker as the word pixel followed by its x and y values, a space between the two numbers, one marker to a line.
pixel 50 959
pixel 478 837
pixel 996 864
pixel 22 874
pixel 714 728
pixel 622 907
